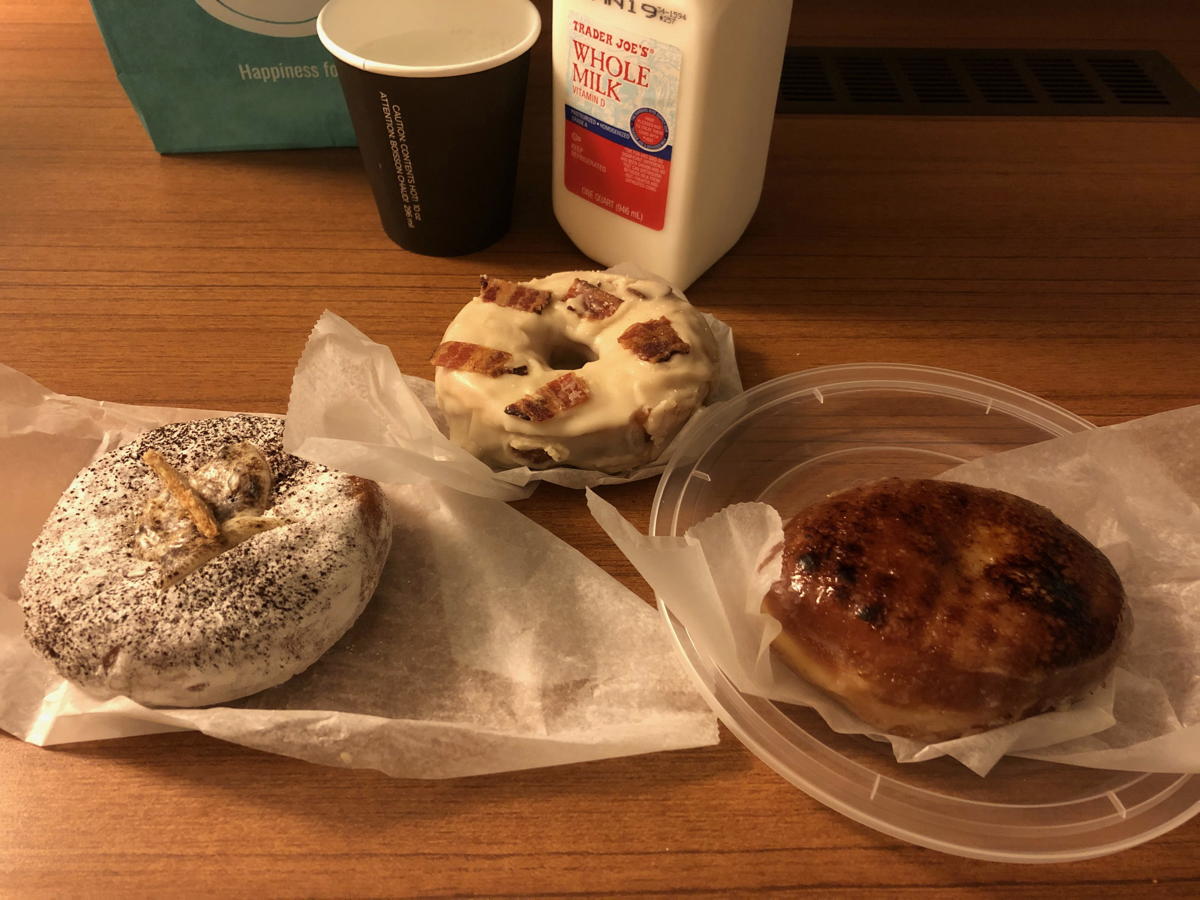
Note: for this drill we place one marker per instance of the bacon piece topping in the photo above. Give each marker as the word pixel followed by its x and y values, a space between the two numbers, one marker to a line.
pixel 654 341
pixel 475 358
pixel 594 303
pixel 554 397
pixel 513 295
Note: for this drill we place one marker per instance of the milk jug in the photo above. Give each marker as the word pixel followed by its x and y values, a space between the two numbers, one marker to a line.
pixel 662 119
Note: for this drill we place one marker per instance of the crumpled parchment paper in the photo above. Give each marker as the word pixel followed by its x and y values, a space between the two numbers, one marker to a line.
pixel 353 408
pixel 490 646
pixel 1132 489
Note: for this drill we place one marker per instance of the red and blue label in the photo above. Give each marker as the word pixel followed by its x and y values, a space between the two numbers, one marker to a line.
pixel 616 169
pixel 619 121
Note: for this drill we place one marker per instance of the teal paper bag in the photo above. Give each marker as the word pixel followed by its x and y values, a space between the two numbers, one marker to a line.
pixel 226 74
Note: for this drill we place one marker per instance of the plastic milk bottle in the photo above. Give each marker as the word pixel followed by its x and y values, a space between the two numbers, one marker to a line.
pixel 662 119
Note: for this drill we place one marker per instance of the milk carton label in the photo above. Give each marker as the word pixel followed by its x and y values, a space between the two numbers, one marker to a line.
pixel 622 94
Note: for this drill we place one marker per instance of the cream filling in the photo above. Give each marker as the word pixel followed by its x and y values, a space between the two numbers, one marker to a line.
pixel 235 485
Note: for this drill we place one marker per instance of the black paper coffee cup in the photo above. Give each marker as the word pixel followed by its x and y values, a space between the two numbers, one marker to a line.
pixel 436 91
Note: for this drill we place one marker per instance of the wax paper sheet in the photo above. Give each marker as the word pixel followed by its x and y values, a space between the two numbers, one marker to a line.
pixel 352 408
pixel 1132 489
pixel 490 646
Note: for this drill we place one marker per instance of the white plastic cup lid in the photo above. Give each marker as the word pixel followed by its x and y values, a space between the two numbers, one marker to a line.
pixel 428 38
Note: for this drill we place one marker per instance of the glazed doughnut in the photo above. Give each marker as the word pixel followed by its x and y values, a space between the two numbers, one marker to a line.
pixel 935 610
pixel 584 369
pixel 201 563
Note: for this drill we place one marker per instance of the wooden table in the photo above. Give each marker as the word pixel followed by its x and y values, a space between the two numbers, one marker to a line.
pixel 1056 255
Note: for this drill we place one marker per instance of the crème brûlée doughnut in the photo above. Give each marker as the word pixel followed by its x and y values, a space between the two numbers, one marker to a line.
pixel 585 369
pixel 201 563
pixel 934 610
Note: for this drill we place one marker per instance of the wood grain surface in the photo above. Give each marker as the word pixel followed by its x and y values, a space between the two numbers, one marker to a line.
pixel 1059 256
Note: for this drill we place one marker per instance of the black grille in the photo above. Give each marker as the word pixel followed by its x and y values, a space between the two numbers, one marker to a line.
pixel 1127 81
pixel 933 80
pixel 1063 80
pixel 867 79
pixel 983 82
pixel 998 80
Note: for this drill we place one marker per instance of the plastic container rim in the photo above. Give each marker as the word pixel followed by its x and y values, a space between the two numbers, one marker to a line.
pixel 811 787
pixel 843 379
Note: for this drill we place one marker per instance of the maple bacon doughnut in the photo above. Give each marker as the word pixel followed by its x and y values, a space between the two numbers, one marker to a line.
pixel 584 369
pixel 201 563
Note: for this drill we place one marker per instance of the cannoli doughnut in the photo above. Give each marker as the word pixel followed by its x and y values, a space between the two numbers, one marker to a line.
pixel 584 369
pixel 201 563
pixel 935 610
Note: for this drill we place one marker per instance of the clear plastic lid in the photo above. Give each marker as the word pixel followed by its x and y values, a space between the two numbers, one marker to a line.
pixel 795 439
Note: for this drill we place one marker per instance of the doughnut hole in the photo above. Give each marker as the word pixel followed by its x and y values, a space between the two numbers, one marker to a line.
pixel 568 354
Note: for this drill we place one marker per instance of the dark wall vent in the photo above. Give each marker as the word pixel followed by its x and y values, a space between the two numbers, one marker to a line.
pixel 910 80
